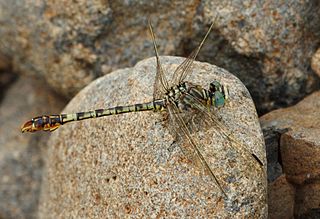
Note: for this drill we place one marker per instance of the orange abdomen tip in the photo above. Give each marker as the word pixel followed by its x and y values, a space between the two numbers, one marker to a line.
pixel 42 123
pixel 27 127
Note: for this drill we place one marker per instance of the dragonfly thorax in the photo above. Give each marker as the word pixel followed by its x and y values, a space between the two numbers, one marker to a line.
pixel 188 96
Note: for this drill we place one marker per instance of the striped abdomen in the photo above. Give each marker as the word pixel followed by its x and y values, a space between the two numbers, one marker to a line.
pixel 52 122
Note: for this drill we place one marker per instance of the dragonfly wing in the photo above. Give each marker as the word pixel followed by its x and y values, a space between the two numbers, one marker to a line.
pixel 209 117
pixel 190 148
pixel 160 85
pixel 184 68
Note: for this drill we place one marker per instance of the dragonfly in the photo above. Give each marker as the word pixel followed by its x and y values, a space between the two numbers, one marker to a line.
pixel 177 97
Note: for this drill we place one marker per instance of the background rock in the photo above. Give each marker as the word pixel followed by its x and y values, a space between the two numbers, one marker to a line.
pixel 281 196
pixel 21 159
pixel 298 151
pixel 6 79
pixel 315 62
pixel 267 45
pixel 272 47
pixel 120 165
pixel 308 199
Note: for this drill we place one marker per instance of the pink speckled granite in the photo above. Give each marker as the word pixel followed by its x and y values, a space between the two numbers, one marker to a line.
pixel 120 166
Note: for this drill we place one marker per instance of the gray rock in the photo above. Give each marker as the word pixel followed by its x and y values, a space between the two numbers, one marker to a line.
pixel 72 44
pixel 6 79
pixel 299 140
pixel 315 62
pixel 21 160
pixel 307 201
pixel 267 45
pixel 281 198
pixel 297 151
pixel 120 165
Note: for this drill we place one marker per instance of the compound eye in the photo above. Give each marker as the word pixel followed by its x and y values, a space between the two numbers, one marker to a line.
pixel 219 99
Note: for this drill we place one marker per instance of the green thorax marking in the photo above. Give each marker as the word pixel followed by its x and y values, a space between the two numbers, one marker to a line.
pixel 219 99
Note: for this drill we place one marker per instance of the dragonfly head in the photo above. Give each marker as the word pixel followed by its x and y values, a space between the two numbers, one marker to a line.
pixel 218 93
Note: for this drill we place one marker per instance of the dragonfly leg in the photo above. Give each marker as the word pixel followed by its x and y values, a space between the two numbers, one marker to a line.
pixel 173 146
pixel 164 119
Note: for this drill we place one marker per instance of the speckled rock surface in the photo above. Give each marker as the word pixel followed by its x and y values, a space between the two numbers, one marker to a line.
pixel 307 201
pixel 281 196
pixel 268 45
pixel 120 165
pixel 299 150
pixel 315 62
pixel 6 79
pixel 70 44
pixel 21 160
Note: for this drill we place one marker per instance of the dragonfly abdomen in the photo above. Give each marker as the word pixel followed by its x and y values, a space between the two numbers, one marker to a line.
pixel 111 111
pixel 52 122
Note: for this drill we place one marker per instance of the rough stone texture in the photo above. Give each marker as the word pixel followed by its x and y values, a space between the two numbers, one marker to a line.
pixel 300 152
pixel 299 149
pixel 6 79
pixel 74 43
pixel 120 165
pixel 281 199
pixel 4 62
pixel 268 44
pixel 21 158
pixel 308 200
pixel 272 137
pixel 315 62
pixel 6 75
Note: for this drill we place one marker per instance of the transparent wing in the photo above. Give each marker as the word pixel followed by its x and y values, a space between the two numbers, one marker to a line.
pixel 190 147
pixel 185 67
pixel 160 85
pixel 209 116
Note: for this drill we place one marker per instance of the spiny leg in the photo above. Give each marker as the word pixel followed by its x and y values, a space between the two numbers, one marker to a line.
pixel 205 111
